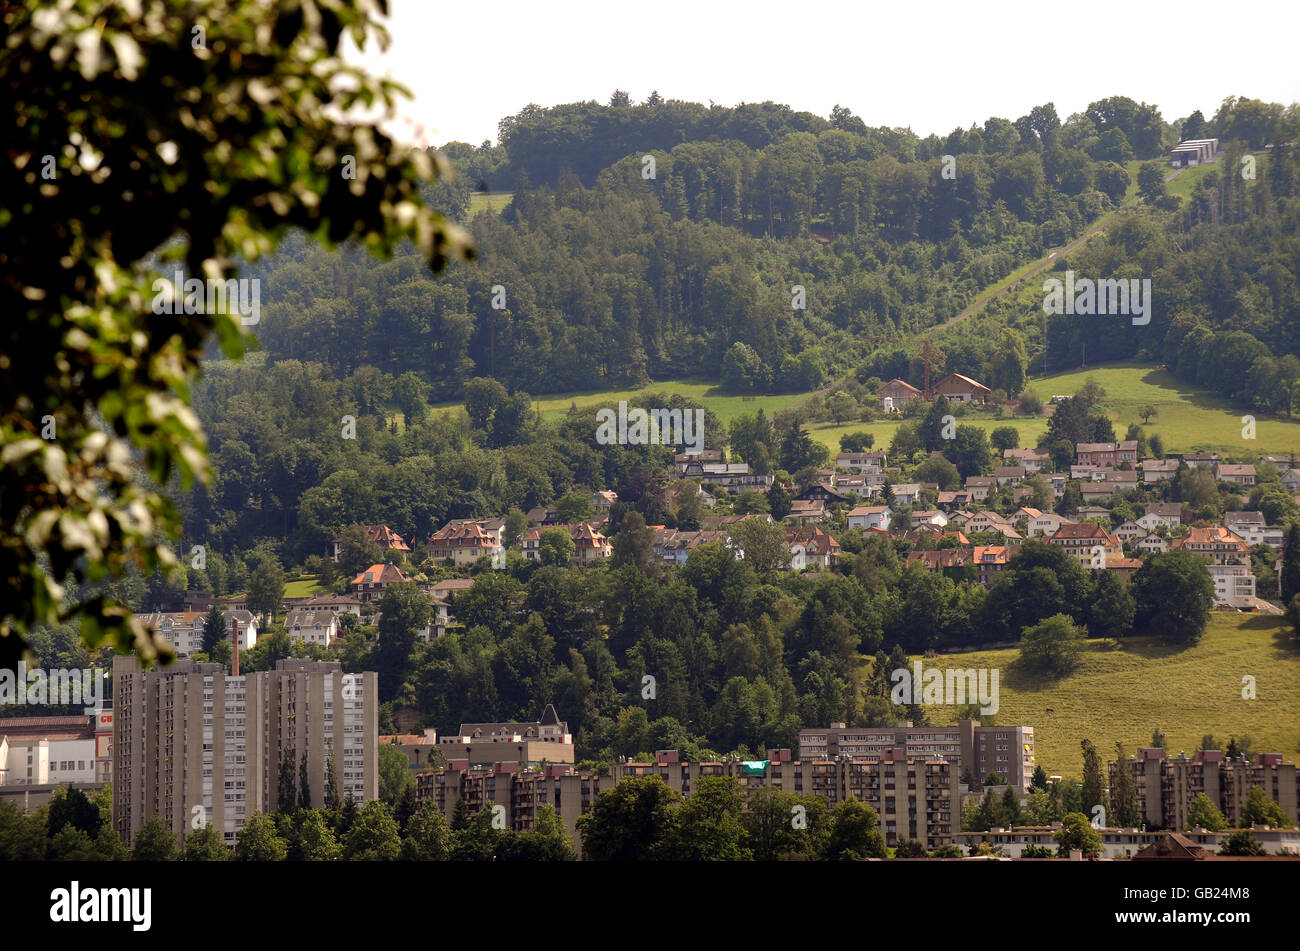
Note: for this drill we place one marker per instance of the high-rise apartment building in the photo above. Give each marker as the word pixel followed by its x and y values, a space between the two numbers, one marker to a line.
pixel 194 744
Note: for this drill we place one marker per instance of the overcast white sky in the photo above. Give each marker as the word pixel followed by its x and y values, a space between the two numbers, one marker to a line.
pixel 932 65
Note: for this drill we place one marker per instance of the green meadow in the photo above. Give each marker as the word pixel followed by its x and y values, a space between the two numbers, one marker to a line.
pixel 1123 693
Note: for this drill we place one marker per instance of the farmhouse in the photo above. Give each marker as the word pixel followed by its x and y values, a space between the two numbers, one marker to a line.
pixel 961 389
pixel 897 393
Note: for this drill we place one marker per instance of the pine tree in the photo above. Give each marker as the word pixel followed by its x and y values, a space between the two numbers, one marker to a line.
pixel 304 784
pixel 214 629
pixel 288 794
pixel 1094 790
pixel 1124 795
pixel 1040 778
pixel 332 798
pixel 348 816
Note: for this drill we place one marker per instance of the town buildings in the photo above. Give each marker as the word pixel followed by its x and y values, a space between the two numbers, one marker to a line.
pixel 195 741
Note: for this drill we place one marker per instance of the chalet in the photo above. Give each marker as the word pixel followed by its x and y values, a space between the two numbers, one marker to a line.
pixel 961 389
pixel 1236 474
pixel 312 626
pixel 1159 470
pixel 821 493
pixel 372 582
pixel 465 544
pixel 384 536
pixel 1113 454
pixel 1009 475
pixel 870 516
pixel 811 548
pixel 897 393
pixel 1032 459
pixel 979 487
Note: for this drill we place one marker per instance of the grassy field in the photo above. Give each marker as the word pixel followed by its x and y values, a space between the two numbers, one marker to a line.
pixel 304 588
pixel 707 394
pixel 488 201
pixel 1122 695
pixel 829 434
pixel 1187 418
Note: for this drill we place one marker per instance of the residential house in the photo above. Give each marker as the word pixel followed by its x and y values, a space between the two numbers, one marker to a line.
pixel 589 544
pixel 870 516
pixel 1291 480
pixel 1159 470
pixel 1234 585
pixel 863 463
pixel 543 517
pixel 907 493
pixel 1045 523
pixel 806 511
pixel 183 630
pixel 312 626
pixel 957 498
pixel 986 521
pixel 450 588
pixel 674 547
pixel 1089 543
pixel 947 561
pixel 1032 459
pixel 1151 544
pixel 811 548
pixel 979 487
pixel 897 393
pixel 990 560
pixel 601 500
pixel 960 518
pixel 1198 460
pixel 1236 474
pixel 465 544
pixel 1124 568
pixel 371 583
pixel 1100 491
pixel 716 522
pixel 1114 454
pixel 1168 514
pixel 1251 527
pixel 496 527
pixel 734 476
pixel 1130 530
pixel 930 517
pixel 1009 475
pixel 384 536
pixel 336 603
pixel 822 493
pixel 956 388
pixel 1216 544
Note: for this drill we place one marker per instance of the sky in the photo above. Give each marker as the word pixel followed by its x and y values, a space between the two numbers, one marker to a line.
pixel 932 65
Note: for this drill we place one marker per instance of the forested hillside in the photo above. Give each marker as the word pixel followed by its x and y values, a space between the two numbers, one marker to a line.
pixel 597 276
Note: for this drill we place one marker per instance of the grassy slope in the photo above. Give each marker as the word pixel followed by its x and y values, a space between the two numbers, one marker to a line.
pixel 1187 418
pixel 1123 695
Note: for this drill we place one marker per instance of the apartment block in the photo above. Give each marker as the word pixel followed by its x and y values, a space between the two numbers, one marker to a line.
pixel 1005 750
pixel 192 740
pixel 1166 787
